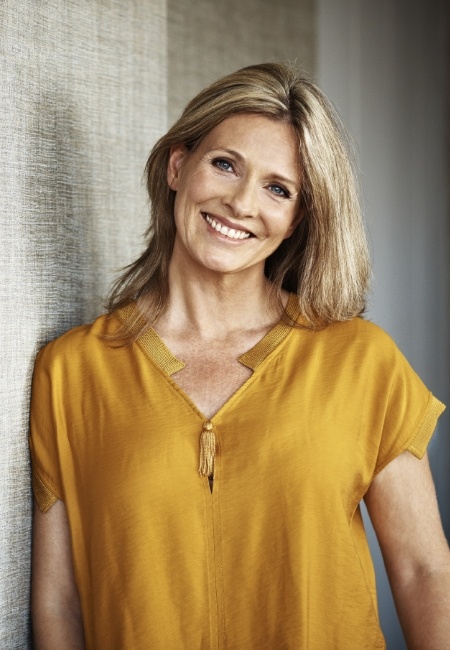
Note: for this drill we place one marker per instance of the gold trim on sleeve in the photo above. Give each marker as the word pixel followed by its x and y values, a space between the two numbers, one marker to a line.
pixel 418 445
pixel 44 497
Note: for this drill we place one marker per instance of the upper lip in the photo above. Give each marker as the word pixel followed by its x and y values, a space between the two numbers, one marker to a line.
pixel 226 222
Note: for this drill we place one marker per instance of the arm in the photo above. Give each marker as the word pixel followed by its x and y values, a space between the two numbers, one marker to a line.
pixel 403 508
pixel 55 605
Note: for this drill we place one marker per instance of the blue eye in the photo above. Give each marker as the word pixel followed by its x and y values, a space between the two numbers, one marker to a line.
pixel 223 164
pixel 279 191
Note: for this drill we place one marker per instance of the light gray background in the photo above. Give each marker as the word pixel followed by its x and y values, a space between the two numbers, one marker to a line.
pixel 385 66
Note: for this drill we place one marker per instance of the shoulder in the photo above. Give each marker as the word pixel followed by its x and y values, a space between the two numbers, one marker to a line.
pixel 356 348
pixel 79 343
pixel 373 344
pixel 355 337
pixel 372 356
pixel 359 331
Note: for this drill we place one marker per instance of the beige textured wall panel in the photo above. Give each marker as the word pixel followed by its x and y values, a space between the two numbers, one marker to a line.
pixel 82 98
pixel 208 39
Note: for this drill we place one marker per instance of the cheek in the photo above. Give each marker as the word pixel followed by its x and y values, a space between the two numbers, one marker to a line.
pixel 187 206
pixel 179 212
pixel 293 220
pixel 198 188
pixel 289 230
pixel 283 225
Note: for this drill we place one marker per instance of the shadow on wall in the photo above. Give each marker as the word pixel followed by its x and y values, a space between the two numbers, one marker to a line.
pixel 61 283
pixel 60 233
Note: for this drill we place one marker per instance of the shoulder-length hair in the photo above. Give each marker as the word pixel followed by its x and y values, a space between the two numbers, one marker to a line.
pixel 325 261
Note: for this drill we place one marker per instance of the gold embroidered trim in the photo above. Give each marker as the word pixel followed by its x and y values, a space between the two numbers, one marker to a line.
pixel 160 353
pixel 131 315
pixel 157 349
pixel 44 497
pixel 254 357
pixel 426 428
pixel 151 342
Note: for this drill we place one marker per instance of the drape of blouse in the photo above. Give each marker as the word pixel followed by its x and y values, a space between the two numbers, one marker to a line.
pixel 276 555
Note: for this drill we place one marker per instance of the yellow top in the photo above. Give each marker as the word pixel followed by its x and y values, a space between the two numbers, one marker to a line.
pixel 276 555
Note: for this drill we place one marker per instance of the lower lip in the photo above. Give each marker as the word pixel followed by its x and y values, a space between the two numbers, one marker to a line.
pixel 221 236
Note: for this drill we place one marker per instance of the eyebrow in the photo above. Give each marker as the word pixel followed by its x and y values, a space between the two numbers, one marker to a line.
pixel 276 176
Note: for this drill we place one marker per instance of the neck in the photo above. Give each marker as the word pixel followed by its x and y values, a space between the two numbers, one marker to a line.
pixel 216 306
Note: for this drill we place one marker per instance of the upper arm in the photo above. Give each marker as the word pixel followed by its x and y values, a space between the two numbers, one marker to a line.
pixel 403 508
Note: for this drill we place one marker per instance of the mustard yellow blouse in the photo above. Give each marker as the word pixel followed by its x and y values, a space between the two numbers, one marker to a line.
pixel 275 557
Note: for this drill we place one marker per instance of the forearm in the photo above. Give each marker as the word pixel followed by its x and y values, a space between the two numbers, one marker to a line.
pixel 403 507
pixel 423 606
pixel 55 603
pixel 57 629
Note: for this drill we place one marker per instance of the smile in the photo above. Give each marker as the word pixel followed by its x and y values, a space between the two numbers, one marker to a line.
pixel 232 233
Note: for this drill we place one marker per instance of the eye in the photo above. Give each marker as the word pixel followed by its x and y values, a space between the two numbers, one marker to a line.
pixel 223 164
pixel 279 190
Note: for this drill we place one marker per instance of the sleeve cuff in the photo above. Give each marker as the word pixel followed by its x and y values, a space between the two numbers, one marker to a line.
pixel 43 495
pixel 419 443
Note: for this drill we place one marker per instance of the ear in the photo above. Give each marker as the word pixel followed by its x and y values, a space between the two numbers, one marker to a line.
pixel 178 154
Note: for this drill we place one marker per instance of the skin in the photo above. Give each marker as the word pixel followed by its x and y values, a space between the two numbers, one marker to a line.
pixel 246 176
pixel 55 606
pixel 403 508
pixel 229 177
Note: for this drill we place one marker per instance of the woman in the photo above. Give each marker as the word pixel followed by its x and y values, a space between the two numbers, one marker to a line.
pixel 200 453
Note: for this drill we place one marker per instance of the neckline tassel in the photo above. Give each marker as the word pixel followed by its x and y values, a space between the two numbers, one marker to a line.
pixel 207 450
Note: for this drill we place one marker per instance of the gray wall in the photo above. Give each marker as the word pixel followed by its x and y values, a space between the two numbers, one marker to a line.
pixel 209 39
pixel 385 66
pixel 72 209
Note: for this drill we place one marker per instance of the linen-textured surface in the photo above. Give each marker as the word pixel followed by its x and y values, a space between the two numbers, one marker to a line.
pixel 82 98
pixel 209 39
pixel 276 555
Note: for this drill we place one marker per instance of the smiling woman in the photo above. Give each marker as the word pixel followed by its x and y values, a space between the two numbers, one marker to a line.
pixel 325 261
pixel 231 211
pixel 200 452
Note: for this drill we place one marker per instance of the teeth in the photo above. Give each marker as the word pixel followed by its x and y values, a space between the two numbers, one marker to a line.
pixel 228 232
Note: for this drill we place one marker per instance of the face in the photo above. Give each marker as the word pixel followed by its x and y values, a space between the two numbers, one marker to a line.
pixel 237 195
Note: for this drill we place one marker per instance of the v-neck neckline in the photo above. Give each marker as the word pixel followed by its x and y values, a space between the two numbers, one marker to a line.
pixel 160 356
pixel 157 350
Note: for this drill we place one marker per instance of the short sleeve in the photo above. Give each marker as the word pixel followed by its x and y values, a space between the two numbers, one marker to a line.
pixel 44 446
pixel 409 410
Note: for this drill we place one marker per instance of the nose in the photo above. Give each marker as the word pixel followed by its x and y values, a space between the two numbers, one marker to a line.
pixel 242 198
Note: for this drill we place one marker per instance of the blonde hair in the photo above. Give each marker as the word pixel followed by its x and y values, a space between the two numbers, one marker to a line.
pixel 325 261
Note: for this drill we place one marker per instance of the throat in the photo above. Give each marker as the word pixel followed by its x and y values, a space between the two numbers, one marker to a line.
pixel 210 382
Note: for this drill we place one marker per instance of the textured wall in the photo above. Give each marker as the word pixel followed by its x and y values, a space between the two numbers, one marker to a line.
pixel 209 39
pixel 82 97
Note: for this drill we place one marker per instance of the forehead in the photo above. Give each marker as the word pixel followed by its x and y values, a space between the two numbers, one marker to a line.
pixel 250 133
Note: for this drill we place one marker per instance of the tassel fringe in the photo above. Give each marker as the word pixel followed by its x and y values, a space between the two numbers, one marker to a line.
pixel 207 450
